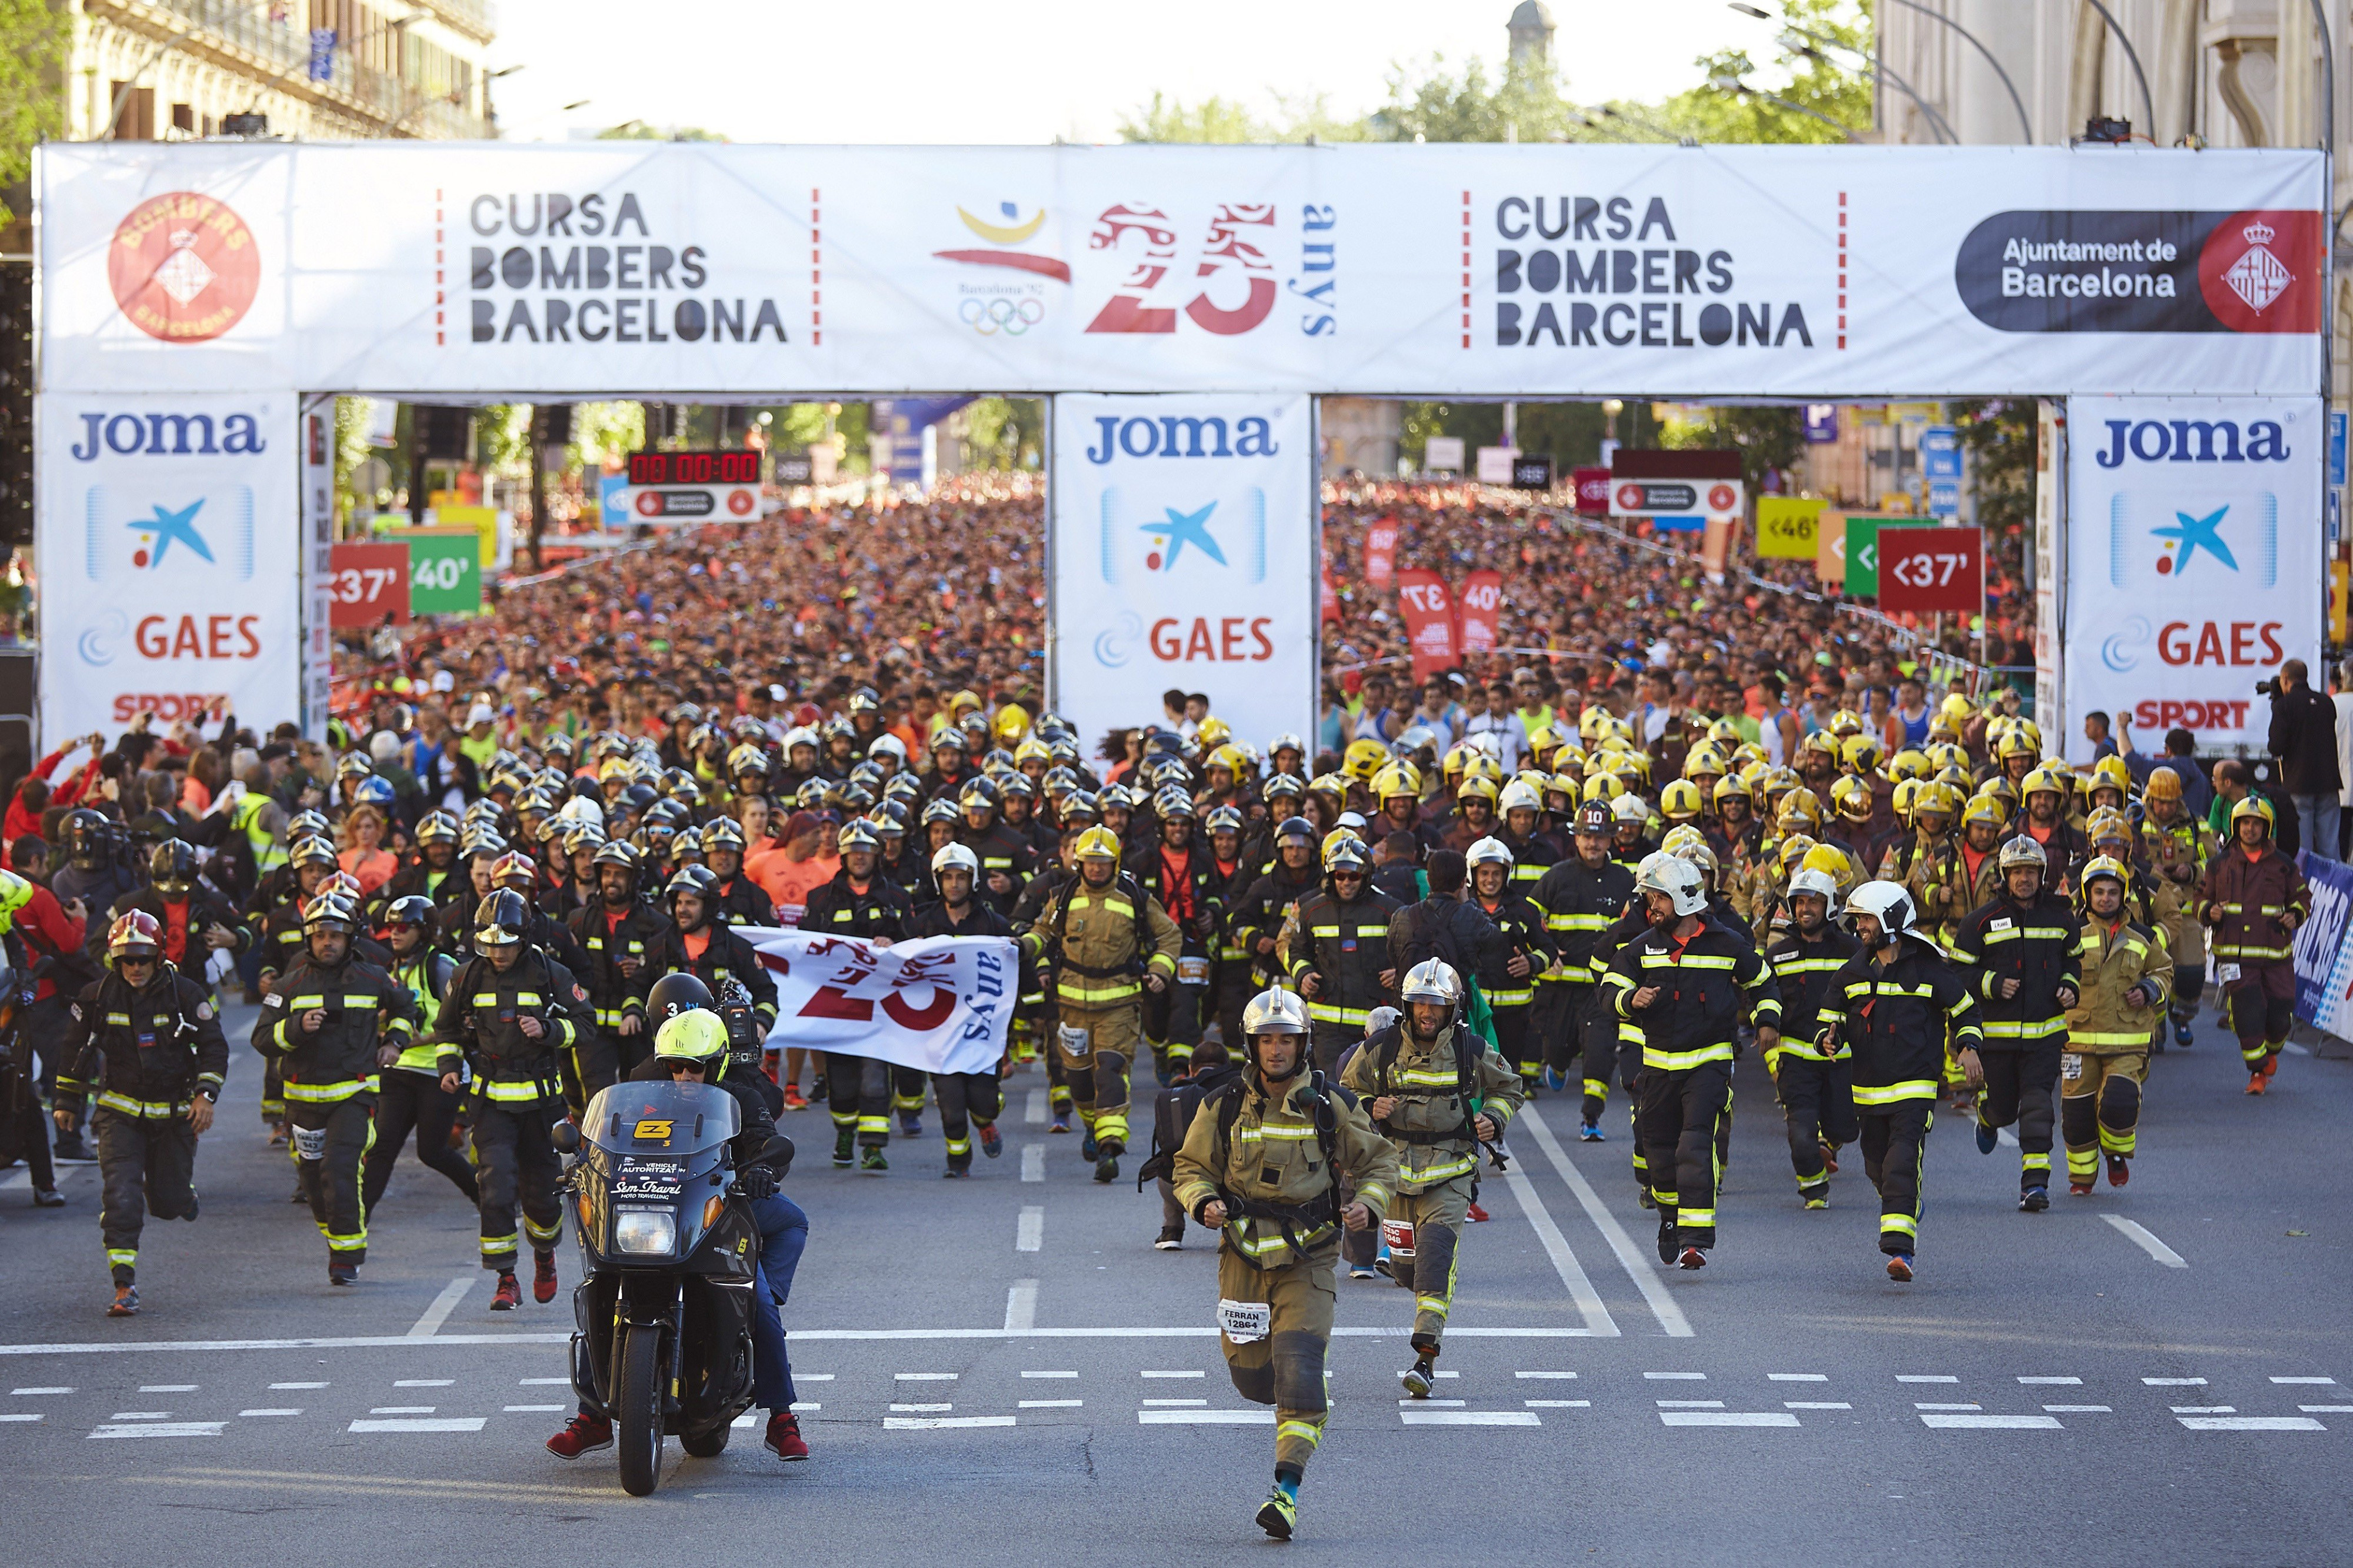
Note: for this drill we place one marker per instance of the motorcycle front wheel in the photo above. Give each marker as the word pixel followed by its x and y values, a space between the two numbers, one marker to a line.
pixel 637 1410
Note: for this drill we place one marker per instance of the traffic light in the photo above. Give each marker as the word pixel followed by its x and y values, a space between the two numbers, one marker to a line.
pixel 15 404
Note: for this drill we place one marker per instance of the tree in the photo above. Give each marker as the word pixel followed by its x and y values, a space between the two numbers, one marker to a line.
pixel 34 40
pixel 1213 120
pixel 1766 438
pixel 1730 106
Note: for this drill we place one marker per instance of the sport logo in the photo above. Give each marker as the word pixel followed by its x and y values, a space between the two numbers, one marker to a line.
pixel 2258 277
pixel 184 268
pixel 1006 306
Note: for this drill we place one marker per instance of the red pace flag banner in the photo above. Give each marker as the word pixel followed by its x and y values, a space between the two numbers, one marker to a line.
pixel 1331 600
pixel 1428 613
pixel 939 1003
pixel 1931 571
pixel 370 581
pixel 1380 552
pixel 1592 492
pixel 1480 612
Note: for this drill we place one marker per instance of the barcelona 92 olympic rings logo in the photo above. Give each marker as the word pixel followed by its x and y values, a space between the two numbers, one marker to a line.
pixel 1013 317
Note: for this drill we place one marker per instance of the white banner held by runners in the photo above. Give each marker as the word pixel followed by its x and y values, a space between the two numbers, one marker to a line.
pixel 2193 560
pixel 938 1004
pixel 1183 556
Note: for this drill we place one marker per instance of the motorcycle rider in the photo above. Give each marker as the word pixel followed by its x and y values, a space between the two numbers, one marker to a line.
pixel 144 1042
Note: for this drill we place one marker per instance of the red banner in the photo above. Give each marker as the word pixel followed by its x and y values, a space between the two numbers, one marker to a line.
pixel 1330 610
pixel 1930 571
pixel 1429 621
pixel 1480 612
pixel 1592 490
pixel 370 581
pixel 1380 552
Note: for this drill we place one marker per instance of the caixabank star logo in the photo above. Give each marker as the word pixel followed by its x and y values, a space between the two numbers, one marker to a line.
pixel 184 267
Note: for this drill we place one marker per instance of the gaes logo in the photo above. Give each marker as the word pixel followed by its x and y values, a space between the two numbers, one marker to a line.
pixel 184 268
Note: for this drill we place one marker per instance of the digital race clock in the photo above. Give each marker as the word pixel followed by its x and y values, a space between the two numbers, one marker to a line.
pixel 694 468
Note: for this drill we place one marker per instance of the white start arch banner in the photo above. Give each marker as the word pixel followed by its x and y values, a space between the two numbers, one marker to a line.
pixel 2195 561
pixel 1816 272
pixel 168 545
pixel 1182 557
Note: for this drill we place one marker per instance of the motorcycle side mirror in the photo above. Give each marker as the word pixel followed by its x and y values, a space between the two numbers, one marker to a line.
pixel 775 1154
pixel 566 1137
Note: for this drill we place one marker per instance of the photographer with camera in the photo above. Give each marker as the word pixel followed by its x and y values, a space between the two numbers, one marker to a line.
pixel 2304 745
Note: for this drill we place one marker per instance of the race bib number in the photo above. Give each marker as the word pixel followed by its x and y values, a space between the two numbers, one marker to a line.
pixel 2227 973
pixel 1193 971
pixel 2003 924
pixel 1243 1322
pixel 2071 1065
pixel 1075 1042
pixel 310 1143
pixel 1397 1235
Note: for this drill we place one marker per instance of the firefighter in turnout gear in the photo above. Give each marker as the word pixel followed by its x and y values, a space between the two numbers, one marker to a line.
pixel 510 1015
pixel 1436 1091
pixel 1105 943
pixel 143 1044
pixel 618 931
pixel 2177 847
pixel 1896 1009
pixel 1512 1000
pixel 336 1021
pixel 1582 898
pixel 1334 948
pixel 409 1093
pixel 969 1101
pixel 2025 948
pixel 862 904
pixel 2254 898
pixel 1262 1163
pixel 1681 990
pixel 1815 1093
pixel 2125 970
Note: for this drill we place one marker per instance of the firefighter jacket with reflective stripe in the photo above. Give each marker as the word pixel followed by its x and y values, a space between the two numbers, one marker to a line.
pixel 743 902
pixel 365 1009
pixel 613 995
pixel 1432 1120
pixel 2039 946
pixel 1531 858
pixel 1706 982
pixel 1930 870
pixel 428 977
pixel 1226 888
pixel 725 952
pixel 202 910
pixel 418 878
pixel 1445 927
pixel 482 1021
pixel 979 920
pixel 142 1053
pixel 1579 903
pixel 281 937
pixel 998 849
pixel 1802 968
pixel 1894 1020
pixel 1273 1157
pixel 2247 903
pixel 2121 959
pixel 835 909
pixel 1149 868
pixel 2064 850
pixel 1346 947
pixel 1262 910
pixel 1107 943
pixel 1524 933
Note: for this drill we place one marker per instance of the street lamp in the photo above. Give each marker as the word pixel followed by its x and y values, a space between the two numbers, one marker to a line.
pixel 2132 56
pixel 2025 126
pixel 1870 57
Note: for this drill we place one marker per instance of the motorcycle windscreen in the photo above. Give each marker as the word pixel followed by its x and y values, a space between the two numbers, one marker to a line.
pixel 675 1118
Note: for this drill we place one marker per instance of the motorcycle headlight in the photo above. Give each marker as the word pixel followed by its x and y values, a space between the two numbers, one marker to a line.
pixel 644 1232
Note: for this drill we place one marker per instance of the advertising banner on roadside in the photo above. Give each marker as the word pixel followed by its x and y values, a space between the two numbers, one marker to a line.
pixel 1183 554
pixel 1430 630
pixel 2194 559
pixel 167 538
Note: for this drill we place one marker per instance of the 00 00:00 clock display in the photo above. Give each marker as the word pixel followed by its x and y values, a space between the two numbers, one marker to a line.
pixel 694 468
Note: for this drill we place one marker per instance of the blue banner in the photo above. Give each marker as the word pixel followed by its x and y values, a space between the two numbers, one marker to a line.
pixel 2324 961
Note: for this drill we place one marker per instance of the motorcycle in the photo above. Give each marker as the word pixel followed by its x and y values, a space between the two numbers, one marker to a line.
pixel 663 1342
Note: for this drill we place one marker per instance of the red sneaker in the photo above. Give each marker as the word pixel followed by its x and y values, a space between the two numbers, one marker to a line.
pixel 1477 1215
pixel 581 1435
pixel 793 1099
pixel 510 1294
pixel 2271 1063
pixel 1829 1158
pixel 2119 1172
pixel 1692 1258
pixel 2257 1083
pixel 542 1279
pixel 784 1436
pixel 2079 1189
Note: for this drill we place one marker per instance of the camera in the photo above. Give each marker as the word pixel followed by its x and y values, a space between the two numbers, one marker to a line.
pixel 2268 687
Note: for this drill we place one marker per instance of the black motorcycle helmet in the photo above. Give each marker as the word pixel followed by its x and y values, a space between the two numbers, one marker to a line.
pixel 89 840
pixel 502 919
pixel 173 867
pixel 673 994
pixel 414 910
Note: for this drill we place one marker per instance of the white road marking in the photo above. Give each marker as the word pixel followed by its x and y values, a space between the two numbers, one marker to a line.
pixel 402 1410
pixel 1728 1418
pixel 276 1386
pixel 1033 1110
pixel 1691 1404
pixel 244 1414
pixel 2251 1424
pixel 1029 1231
pixel 2205 1410
pixel 2173 1381
pixel 921 1409
pixel 426 1326
pixel 564 1337
pixel 2323 1381
pixel 1194 1373
pixel 1920 1407
pixel 1597 1320
pixel 1815 1404
pixel 2003 1423
pixel 935 1423
pixel 1676 1376
pixel 1172 1403
pixel 2311 1409
pixel 1020 1306
pixel 2054 1382
pixel 1402 1371
pixel 167 1388
pixel 2080 1409
pixel 1052 1404
pixel 2008 1138
pixel 2141 1237
pixel 141 1415
pixel 1049 1374
pixel 1033 1163
pixel 1670 1316
pixel 2292 1049
pixel 530 1409
pixel 423 1381
pixel 1563 1375
pixel 1557 1404
pixel 1205 1418
pixel 1456 1404
pixel 1798 1377
pixel 798 1377
pixel 519 1383
pixel 24 1391
pixel 36 1416
pixel 1470 1418
pixel 1926 1377
pixel 924 1376
pixel 191 1429
pixel 421 1423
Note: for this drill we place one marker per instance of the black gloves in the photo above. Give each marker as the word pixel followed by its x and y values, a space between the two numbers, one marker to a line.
pixel 757 1181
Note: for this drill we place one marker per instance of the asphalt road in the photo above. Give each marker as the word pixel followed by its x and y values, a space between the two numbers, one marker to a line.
pixel 1004 1367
